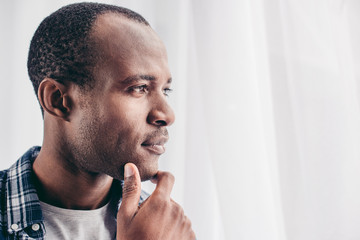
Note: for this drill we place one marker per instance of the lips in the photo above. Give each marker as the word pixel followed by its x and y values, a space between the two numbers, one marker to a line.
pixel 156 149
pixel 155 145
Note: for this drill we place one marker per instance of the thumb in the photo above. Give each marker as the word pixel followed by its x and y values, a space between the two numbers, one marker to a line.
pixel 130 193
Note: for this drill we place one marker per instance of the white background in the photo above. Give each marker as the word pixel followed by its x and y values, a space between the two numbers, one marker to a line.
pixel 266 141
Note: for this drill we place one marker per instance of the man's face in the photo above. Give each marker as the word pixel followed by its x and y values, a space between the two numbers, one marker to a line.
pixel 124 117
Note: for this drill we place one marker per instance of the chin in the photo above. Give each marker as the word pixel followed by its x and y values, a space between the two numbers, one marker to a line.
pixel 147 172
pixel 147 168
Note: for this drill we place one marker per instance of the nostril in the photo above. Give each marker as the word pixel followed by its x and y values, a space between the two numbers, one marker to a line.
pixel 160 116
pixel 160 123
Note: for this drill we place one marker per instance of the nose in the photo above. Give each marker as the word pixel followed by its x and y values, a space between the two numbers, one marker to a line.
pixel 161 114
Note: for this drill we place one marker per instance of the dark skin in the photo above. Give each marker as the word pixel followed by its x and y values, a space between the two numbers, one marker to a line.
pixel 90 136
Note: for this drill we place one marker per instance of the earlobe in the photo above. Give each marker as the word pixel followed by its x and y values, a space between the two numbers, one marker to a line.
pixel 54 99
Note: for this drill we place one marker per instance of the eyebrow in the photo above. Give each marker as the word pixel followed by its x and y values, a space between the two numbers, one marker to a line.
pixel 137 78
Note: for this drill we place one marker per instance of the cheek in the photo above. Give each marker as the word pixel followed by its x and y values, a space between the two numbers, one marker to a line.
pixel 119 119
pixel 125 113
pixel 120 129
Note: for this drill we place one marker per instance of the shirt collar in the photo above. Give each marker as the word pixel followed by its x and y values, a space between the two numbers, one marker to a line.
pixel 23 206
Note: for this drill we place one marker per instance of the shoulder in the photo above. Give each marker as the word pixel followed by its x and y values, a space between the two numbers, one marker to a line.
pixel 18 199
pixel 14 180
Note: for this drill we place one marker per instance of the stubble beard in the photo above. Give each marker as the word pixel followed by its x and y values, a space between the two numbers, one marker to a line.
pixel 98 155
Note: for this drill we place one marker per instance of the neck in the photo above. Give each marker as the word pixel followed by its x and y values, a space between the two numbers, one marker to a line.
pixel 75 189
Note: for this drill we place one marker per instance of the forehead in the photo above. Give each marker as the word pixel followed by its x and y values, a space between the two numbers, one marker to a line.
pixel 127 48
pixel 115 33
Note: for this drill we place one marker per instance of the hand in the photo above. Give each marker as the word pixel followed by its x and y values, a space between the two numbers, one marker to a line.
pixel 158 218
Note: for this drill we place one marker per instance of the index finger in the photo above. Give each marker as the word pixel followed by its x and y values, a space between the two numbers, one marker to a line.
pixel 164 184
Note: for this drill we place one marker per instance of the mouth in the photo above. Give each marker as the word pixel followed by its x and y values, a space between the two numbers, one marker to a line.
pixel 156 149
pixel 155 146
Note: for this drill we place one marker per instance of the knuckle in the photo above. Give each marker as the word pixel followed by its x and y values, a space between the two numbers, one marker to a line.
pixel 159 198
pixel 159 204
pixel 169 177
pixel 177 211
pixel 186 222
pixel 166 204
pixel 131 187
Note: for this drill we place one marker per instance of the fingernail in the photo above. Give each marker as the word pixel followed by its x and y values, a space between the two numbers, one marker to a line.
pixel 129 171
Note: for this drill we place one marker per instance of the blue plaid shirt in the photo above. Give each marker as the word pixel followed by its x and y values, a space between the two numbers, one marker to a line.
pixel 20 211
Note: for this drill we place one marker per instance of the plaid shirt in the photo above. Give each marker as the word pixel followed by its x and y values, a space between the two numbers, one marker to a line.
pixel 20 211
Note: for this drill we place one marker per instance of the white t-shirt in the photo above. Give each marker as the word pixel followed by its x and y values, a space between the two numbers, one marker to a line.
pixel 67 224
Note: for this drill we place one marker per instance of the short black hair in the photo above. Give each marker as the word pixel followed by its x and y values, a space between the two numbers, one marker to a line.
pixel 62 47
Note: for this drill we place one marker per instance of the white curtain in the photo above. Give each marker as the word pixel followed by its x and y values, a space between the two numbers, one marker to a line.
pixel 267 94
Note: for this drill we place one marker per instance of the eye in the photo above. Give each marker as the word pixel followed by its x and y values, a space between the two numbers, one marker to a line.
pixel 167 91
pixel 139 89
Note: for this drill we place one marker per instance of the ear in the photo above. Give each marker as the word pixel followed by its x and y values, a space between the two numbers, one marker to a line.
pixel 54 98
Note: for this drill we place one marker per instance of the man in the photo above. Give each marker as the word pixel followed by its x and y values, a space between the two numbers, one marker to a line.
pixel 101 76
